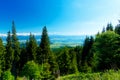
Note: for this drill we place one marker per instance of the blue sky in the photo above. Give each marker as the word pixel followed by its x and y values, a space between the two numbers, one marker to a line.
pixel 66 17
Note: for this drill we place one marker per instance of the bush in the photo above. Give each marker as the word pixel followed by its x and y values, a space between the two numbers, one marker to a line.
pixel 31 70
pixel 8 76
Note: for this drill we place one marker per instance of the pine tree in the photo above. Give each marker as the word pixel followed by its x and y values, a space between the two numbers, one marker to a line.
pixel 45 56
pixel 2 57
pixel 78 50
pixel 85 50
pixel 63 60
pixel 45 45
pixel 9 53
pixel 31 48
pixel 103 30
pixel 87 54
pixel 16 48
pixel 109 27
pixel 117 28
pixel 73 62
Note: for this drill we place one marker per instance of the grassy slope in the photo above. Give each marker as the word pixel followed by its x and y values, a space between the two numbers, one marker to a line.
pixel 108 75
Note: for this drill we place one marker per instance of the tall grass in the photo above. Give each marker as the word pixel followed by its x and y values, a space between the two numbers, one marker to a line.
pixel 107 75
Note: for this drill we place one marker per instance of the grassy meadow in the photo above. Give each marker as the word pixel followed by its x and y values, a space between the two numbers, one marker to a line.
pixel 107 75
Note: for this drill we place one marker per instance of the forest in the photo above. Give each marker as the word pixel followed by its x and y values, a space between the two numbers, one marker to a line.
pixel 97 59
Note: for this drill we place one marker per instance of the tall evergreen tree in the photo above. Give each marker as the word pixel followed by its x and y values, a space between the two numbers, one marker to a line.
pixel 85 50
pixel 117 28
pixel 78 50
pixel 45 45
pixel 109 27
pixel 45 56
pixel 86 53
pixel 31 48
pixel 23 57
pixel 9 53
pixel 2 57
pixel 16 48
pixel 73 61
pixel 63 60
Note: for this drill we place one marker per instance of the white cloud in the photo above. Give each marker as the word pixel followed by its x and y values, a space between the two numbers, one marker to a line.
pixel 2 35
pixel 27 34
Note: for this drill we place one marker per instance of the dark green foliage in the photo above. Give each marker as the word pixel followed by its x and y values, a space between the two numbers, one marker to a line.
pixel 87 54
pixel 2 57
pixel 64 61
pixel 44 54
pixel 103 30
pixel 45 46
pixel 53 65
pixel 86 48
pixel 78 50
pixel 15 44
pixel 117 29
pixel 106 55
pixel 31 47
pixel 109 27
pixel 73 61
pixel 67 61
pixel 7 75
pixel 23 58
pixel 9 56
pixel 16 48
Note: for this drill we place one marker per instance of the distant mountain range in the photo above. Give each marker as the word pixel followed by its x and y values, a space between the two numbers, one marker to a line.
pixel 55 40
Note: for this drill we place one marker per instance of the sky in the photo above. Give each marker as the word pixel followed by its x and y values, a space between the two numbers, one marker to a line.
pixel 63 17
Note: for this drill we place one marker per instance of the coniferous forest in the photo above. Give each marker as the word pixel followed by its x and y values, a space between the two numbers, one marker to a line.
pixel 97 59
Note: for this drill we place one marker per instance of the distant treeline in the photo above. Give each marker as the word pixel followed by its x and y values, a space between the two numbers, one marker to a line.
pixel 40 62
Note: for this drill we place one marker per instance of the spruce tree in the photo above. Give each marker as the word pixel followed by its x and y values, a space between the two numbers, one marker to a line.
pixel 117 28
pixel 2 57
pixel 85 50
pixel 109 27
pixel 16 48
pixel 64 61
pixel 78 50
pixel 103 30
pixel 31 48
pixel 45 45
pixel 73 62
pixel 87 54
pixel 9 53
pixel 45 56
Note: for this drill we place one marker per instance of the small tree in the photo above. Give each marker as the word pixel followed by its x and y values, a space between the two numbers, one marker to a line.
pixel 103 30
pixel 45 72
pixel 109 27
pixel 7 75
pixel 31 70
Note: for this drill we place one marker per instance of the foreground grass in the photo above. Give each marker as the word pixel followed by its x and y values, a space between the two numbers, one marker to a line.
pixel 108 75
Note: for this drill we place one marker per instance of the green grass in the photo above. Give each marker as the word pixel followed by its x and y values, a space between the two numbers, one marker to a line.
pixel 108 75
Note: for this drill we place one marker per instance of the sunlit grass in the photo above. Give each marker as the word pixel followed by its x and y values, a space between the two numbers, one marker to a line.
pixel 107 75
